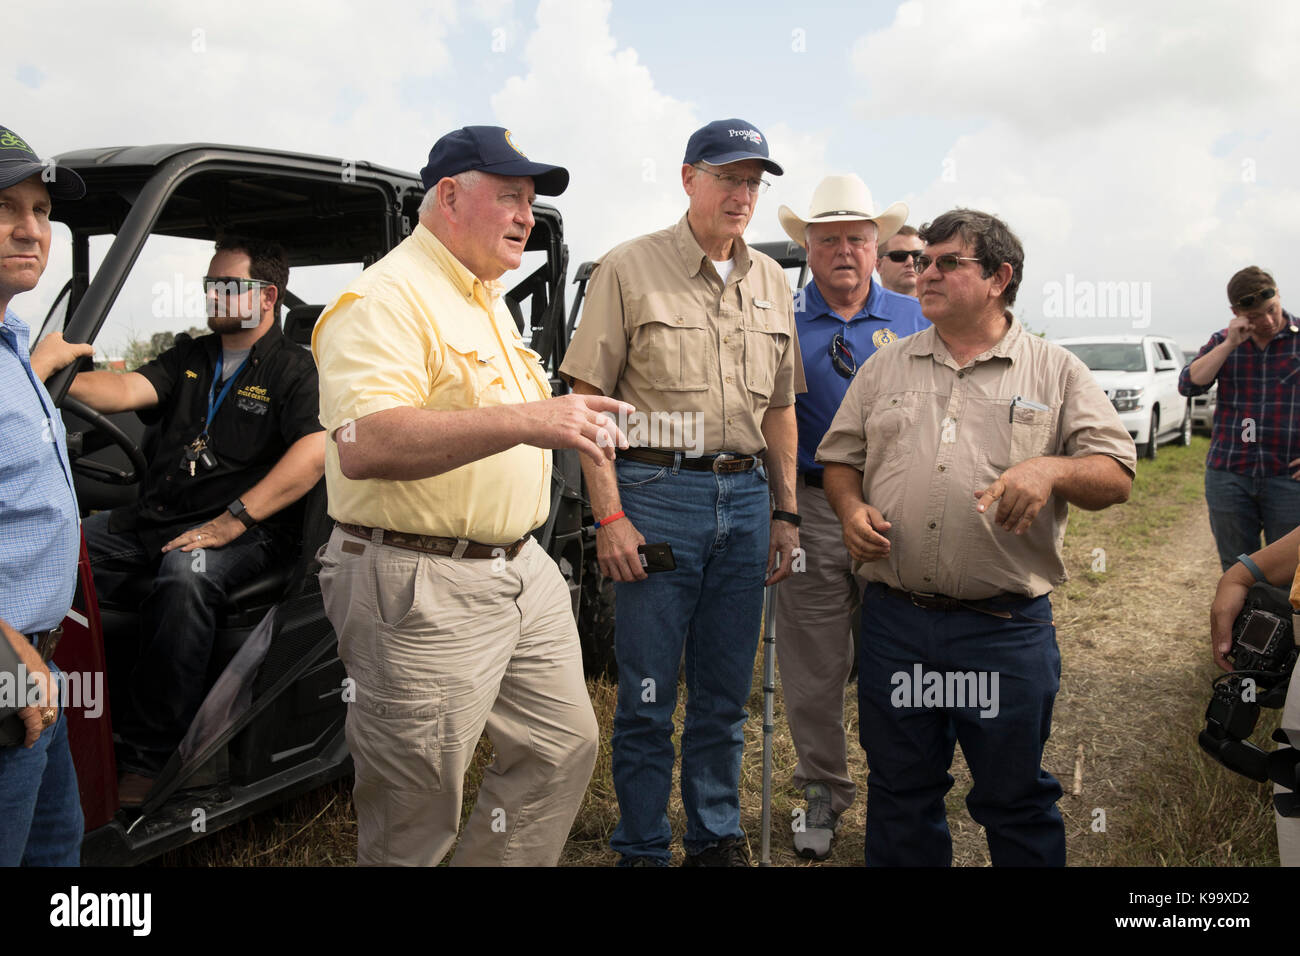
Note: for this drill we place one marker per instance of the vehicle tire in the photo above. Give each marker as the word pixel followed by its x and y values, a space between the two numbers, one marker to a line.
pixel 1153 437
pixel 1185 433
pixel 596 623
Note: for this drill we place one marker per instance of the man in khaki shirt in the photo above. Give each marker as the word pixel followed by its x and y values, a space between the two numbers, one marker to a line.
pixel 450 619
pixel 950 465
pixel 696 330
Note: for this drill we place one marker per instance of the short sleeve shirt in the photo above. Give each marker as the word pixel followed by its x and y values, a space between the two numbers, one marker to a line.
pixel 927 435
pixel 419 330
pixel 272 402
pixel 884 318
pixel 662 331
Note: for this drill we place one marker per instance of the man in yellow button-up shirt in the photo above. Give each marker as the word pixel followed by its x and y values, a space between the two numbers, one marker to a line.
pixel 449 618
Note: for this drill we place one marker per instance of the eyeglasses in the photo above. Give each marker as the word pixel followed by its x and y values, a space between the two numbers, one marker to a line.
pixel 730 182
pixel 230 285
pixel 1246 301
pixel 842 357
pixel 833 242
pixel 949 262
pixel 902 255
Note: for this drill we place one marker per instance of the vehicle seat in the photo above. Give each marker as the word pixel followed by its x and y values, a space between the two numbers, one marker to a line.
pixel 244 606
pixel 299 321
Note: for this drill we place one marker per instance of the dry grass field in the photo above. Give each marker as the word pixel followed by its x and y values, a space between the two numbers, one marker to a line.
pixel 1135 680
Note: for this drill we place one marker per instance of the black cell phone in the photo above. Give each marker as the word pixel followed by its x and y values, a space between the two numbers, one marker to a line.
pixel 657 557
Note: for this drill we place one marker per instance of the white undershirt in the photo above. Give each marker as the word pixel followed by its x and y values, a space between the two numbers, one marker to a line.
pixel 724 268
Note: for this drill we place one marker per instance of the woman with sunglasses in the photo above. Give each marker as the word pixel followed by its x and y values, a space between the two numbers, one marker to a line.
pixel 1252 471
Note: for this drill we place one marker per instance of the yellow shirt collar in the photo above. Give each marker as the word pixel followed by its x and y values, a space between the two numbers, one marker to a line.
pixel 455 270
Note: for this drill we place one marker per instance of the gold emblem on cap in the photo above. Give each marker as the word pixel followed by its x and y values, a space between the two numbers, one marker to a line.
pixel 510 143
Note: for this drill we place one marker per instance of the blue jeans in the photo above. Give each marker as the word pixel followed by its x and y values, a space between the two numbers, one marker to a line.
pixel 178 622
pixel 40 809
pixel 1241 506
pixel 710 607
pixel 909 739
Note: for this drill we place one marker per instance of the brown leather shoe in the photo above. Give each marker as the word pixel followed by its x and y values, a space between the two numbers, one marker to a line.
pixel 132 788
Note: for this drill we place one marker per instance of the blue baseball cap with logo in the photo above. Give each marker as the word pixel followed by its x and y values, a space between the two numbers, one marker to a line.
pixel 729 141
pixel 490 149
pixel 18 161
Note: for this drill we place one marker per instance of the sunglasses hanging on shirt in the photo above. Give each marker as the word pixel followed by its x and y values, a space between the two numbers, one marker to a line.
pixel 842 356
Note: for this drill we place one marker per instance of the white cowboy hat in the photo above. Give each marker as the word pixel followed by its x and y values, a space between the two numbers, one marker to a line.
pixel 843 199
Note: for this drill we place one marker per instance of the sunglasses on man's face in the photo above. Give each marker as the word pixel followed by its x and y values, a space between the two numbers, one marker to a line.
pixel 1246 301
pixel 902 255
pixel 842 357
pixel 948 262
pixel 230 285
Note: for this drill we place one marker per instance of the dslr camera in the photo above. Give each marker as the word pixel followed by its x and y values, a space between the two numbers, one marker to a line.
pixel 1263 655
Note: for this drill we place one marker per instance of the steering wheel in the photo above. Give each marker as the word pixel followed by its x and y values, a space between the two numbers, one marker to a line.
pixel 78 447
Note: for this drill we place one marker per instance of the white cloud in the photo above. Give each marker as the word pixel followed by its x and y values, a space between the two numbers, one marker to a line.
pixel 592 107
pixel 588 103
pixel 1151 151
pixel 235 71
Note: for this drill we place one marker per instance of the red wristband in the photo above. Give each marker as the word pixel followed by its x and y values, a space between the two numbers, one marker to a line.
pixel 601 522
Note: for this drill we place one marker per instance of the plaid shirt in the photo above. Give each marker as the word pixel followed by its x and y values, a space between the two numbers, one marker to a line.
pixel 1256 386
pixel 40 540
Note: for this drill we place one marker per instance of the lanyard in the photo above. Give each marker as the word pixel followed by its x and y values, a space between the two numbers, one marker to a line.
pixel 212 389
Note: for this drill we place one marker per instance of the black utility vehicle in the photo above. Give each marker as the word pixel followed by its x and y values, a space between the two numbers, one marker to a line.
pixel 272 724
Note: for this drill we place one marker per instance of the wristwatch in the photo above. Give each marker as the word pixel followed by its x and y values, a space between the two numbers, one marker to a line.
pixel 237 509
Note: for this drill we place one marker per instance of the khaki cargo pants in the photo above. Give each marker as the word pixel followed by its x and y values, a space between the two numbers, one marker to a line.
pixel 815 613
pixel 440 649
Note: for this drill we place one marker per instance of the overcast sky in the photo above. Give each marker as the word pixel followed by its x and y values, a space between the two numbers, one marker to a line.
pixel 1148 148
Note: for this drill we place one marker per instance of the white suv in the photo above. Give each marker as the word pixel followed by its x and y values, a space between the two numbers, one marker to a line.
pixel 1140 376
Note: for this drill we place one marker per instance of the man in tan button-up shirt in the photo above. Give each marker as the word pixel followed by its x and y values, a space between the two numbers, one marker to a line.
pixel 697 331
pixel 950 465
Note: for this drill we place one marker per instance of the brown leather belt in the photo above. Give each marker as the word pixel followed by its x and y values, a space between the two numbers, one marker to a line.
pixel 942 602
pixel 813 479
pixel 446 547
pixel 724 462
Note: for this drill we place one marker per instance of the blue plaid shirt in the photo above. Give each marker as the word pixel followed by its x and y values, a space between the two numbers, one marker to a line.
pixel 40 537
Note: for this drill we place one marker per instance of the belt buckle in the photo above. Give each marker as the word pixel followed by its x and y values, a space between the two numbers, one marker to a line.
pixel 917 598
pixel 722 460
pixel 48 642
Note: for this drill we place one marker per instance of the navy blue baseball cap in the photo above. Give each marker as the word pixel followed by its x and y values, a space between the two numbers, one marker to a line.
pixel 729 141
pixel 18 161
pixel 490 149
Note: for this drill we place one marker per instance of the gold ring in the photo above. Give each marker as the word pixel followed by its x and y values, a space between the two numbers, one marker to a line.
pixel 48 715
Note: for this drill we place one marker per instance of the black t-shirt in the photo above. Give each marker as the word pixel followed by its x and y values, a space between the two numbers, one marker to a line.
pixel 273 402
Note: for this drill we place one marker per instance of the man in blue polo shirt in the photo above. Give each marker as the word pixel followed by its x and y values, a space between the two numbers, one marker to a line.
pixel 842 318
pixel 40 811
